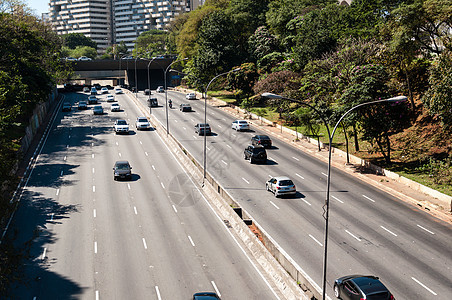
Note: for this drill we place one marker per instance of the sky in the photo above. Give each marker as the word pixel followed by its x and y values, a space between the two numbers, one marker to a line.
pixel 39 6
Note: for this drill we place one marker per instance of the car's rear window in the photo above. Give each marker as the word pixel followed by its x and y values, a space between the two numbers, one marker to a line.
pixel 285 182
pixel 258 150
pixel 122 122
pixel 379 296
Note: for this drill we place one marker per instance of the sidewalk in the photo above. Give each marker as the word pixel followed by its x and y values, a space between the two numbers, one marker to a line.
pixel 403 192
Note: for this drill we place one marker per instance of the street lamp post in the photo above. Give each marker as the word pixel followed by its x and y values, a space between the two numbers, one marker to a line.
pixel 326 206
pixel 166 92
pixel 119 75
pixel 205 115
pixel 149 85
pixel 136 84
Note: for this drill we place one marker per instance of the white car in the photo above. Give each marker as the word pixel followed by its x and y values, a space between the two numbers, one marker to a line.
pixel 281 185
pixel 160 89
pixel 110 98
pixel 142 123
pixel 104 90
pixel 190 96
pixel 84 58
pixel 240 125
pixel 121 126
pixel 118 91
pixel 115 107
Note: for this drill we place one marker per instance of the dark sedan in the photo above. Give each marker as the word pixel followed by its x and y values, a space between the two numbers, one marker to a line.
pixel 66 106
pixel 263 140
pixel 357 287
pixel 255 154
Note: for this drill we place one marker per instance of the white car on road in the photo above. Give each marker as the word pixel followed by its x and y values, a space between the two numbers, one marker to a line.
pixel 240 125
pixel 142 123
pixel 121 126
pixel 115 107
pixel 281 185
pixel 110 98
pixel 190 96
pixel 118 90
pixel 104 90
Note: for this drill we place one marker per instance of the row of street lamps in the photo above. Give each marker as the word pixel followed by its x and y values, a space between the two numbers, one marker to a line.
pixel 279 97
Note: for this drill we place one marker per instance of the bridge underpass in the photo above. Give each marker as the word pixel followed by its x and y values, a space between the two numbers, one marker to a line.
pixel 123 72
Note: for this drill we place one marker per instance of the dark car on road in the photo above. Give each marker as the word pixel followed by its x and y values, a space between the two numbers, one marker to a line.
pixel 92 99
pixel 206 296
pixel 255 154
pixel 122 170
pixel 152 102
pixel 66 106
pixel 203 129
pixel 263 140
pixel 82 105
pixel 356 287
pixel 185 107
pixel 147 92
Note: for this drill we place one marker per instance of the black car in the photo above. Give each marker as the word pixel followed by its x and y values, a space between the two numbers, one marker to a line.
pixel 147 91
pixel 122 170
pixel 206 296
pixel 356 287
pixel 203 129
pixel 185 107
pixel 66 106
pixel 152 102
pixel 82 105
pixel 255 154
pixel 263 140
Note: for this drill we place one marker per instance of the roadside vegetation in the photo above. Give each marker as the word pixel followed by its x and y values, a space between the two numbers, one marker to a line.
pixel 334 57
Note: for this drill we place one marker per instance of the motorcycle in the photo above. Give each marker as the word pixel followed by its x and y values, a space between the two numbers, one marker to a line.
pixel 170 104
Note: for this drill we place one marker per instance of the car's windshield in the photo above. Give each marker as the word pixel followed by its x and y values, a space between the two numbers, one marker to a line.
pixel 121 122
pixel 122 167
pixel 242 122
pixel 142 120
pixel 285 182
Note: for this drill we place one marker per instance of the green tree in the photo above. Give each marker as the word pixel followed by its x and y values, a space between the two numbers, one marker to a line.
pixel 262 43
pixel 74 40
pixel 153 41
pixel 243 81
pixel 84 51
pixel 438 98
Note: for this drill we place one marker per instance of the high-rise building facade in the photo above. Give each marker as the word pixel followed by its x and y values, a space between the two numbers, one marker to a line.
pixel 110 22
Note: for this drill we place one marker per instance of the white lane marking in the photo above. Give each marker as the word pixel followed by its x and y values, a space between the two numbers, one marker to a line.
pixel 312 237
pixel 271 158
pixel 162 184
pixel 65 158
pixel 119 154
pixel 212 113
pixel 67 146
pixel 424 286
pixel 175 121
pixel 51 216
pixel 135 210
pixel 274 204
pixel 306 201
pixel 175 209
pixel 335 198
pixel 194 137
pixel 97 295
pixel 388 230
pixel 228 146
pixel 233 135
pixel 208 148
pixel 357 238
pixel 94 188
pixel 224 162
pixel 92 155
pixel 295 158
pixel 128 186
pixel 368 198
pixel 69 136
pixel 141 143
pixel 57 191
pixel 221 221
pixel 153 168
pixel 184 128
pixel 95 247
pixel 270 176
pixel 191 241
pixel 93 170
pixel 92 144
pixel 216 289
pixel 245 180
pixel 117 144
pixel 224 119
pixel 44 254
pixel 94 213
pixel 146 153
pixel 425 229
pixel 61 173
pixel 193 121
pixel 158 293
pixel 324 174
pixel 299 175
pixel 144 243
pixel 220 126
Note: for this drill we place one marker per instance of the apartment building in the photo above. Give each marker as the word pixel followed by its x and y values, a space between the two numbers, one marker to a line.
pixel 110 22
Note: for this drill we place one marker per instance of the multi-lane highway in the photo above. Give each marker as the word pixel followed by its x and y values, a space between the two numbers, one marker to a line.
pixel 153 237
pixel 371 232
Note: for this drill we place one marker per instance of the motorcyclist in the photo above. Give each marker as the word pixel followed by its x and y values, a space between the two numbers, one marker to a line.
pixel 170 103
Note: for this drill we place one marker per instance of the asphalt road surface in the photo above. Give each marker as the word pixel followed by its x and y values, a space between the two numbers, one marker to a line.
pixel 371 232
pixel 87 236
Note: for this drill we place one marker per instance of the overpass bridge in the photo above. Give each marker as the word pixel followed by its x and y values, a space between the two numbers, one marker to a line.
pixel 123 71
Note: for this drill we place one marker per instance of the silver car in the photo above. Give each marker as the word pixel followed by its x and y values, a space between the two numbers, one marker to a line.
pixel 142 123
pixel 281 185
